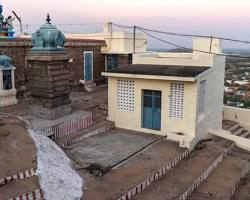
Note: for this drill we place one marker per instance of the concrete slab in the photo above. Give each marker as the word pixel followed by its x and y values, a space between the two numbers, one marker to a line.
pixel 111 147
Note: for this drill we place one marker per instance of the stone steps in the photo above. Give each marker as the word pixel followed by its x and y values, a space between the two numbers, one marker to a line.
pixel 233 128
pixel 236 129
pixel 222 180
pixel 177 181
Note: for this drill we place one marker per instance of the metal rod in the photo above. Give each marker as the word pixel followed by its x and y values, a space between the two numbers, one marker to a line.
pixel 134 35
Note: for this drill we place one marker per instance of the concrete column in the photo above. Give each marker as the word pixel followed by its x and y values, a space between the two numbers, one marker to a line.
pixel 1 80
pixel 13 78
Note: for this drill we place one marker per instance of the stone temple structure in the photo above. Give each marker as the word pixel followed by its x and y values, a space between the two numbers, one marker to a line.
pixel 48 67
pixel 6 28
pixel 7 82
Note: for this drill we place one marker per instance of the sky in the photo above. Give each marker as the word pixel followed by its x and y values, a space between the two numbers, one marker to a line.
pixel 227 18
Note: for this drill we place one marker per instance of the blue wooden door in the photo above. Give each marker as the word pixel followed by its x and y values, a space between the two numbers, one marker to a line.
pixel 151 115
pixel 88 66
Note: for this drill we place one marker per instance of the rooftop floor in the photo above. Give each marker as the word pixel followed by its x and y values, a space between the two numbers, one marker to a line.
pixel 109 148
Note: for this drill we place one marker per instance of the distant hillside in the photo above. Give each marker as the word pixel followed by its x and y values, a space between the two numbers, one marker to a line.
pixel 236 51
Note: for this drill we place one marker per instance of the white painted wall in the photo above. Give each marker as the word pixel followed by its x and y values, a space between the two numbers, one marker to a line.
pixel 241 142
pixel 239 115
pixel 212 118
pixel 133 120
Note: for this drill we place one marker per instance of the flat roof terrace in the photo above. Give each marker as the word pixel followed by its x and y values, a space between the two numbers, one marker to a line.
pixel 164 72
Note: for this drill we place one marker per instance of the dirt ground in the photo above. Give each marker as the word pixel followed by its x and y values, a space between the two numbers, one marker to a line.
pixel 80 101
pixel 185 173
pixel 118 181
pixel 17 154
pixel 220 182
pixel 243 192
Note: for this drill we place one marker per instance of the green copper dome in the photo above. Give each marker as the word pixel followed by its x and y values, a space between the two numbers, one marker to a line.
pixel 48 38
pixel 5 62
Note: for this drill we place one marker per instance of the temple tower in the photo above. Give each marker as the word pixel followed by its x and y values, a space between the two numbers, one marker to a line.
pixel 6 28
pixel 48 66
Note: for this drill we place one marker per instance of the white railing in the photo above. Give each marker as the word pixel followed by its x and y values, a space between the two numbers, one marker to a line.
pixel 66 128
pixel 87 135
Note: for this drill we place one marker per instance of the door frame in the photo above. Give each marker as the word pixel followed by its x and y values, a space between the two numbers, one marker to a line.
pixel 92 78
pixel 142 109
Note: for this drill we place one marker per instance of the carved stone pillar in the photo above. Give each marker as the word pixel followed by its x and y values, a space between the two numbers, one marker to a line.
pixel 48 67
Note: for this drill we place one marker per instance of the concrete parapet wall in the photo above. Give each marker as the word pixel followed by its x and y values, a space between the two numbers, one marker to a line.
pixel 240 115
pixel 240 142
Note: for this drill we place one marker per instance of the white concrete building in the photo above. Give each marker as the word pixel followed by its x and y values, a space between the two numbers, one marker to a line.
pixel 178 95
pixel 119 45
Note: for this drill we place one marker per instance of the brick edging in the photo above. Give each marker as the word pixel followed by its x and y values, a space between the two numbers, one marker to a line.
pixel 34 195
pixel 17 177
pixel 155 176
pixel 244 172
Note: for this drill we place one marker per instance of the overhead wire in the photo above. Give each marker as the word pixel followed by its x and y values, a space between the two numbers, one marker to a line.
pixel 183 34
pixel 191 49
pixel 146 31
pixel 194 35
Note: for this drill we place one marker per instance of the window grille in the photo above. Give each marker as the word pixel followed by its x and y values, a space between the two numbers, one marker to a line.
pixel 112 61
pixel 176 100
pixel 125 95
pixel 7 81
pixel 202 96
pixel 130 58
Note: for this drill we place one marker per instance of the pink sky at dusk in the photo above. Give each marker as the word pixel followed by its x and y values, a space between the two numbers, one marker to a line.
pixel 230 18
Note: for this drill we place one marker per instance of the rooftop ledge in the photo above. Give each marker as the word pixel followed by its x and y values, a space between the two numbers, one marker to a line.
pixel 160 72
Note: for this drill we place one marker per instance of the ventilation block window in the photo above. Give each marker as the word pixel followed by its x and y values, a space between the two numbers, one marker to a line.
pixel 176 100
pixel 125 95
pixel 202 96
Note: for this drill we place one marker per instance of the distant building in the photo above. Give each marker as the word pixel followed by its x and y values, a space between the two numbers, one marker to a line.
pixel 229 81
pixel 119 45
pixel 241 82
pixel 228 89
pixel 178 95
pixel 240 93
